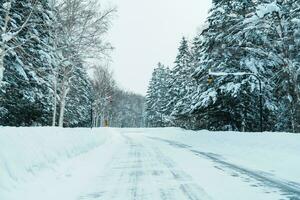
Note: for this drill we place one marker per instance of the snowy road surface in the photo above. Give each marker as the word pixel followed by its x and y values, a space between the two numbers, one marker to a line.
pixel 137 164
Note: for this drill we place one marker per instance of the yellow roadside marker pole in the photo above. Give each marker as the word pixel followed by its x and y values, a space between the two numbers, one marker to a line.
pixel 106 124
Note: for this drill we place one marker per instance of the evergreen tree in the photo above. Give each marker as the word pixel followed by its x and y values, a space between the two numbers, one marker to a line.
pixel 274 24
pixel 156 98
pixel 286 51
pixel 79 99
pixel 181 83
pixel 228 103
pixel 258 38
pixel 25 95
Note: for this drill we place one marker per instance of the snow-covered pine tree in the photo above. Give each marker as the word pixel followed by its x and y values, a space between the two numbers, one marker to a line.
pixel 295 20
pixel 79 100
pixel 183 110
pixel 248 39
pixel 156 101
pixel 276 30
pixel 181 84
pixel 286 53
pixel 228 103
pixel 25 95
pixel 12 23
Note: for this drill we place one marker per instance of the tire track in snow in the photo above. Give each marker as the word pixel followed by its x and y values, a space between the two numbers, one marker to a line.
pixel 185 183
pixel 142 172
pixel 288 188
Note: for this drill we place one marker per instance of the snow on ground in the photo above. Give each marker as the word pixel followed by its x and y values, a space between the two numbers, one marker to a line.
pixel 274 153
pixel 170 163
pixel 26 153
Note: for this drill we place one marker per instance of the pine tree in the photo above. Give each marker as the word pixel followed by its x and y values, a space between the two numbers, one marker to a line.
pixel 26 95
pixel 228 103
pixel 259 38
pixel 156 98
pixel 274 25
pixel 79 100
pixel 181 83
pixel 286 51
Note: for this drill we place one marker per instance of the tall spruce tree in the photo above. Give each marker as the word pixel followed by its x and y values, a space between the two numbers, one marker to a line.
pixel 79 99
pixel 228 103
pixel 25 95
pixel 156 98
pixel 181 84
pixel 274 30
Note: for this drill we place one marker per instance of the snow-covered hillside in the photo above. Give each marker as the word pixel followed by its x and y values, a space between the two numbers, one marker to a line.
pixel 163 163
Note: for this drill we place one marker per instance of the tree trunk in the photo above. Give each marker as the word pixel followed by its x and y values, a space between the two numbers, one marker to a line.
pixel 63 105
pixel 62 112
pixel 3 50
pixel 97 121
pixel 293 118
pixel 54 113
pixel 1 65
pixel 54 103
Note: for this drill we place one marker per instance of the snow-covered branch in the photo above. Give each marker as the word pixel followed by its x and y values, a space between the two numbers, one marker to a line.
pixel 227 73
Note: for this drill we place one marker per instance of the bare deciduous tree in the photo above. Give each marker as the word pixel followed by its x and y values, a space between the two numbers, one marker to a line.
pixel 104 86
pixel 82 25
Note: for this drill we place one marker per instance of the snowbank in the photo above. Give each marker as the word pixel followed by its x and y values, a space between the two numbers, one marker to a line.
pixel 27 151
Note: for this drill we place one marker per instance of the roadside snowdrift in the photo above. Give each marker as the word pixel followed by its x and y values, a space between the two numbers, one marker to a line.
pixel 26 151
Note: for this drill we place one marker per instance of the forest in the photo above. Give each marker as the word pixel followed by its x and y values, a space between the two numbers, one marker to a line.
pixel 53 66
pixel 261 38
pixel 149 100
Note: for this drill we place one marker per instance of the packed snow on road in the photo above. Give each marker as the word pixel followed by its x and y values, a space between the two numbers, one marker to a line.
pixel 147 164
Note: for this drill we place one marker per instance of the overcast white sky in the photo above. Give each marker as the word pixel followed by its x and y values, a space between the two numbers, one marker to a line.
pixel 149 31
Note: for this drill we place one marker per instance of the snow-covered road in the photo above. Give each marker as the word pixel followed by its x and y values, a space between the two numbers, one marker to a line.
pixel 141 170
pixel 142 164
